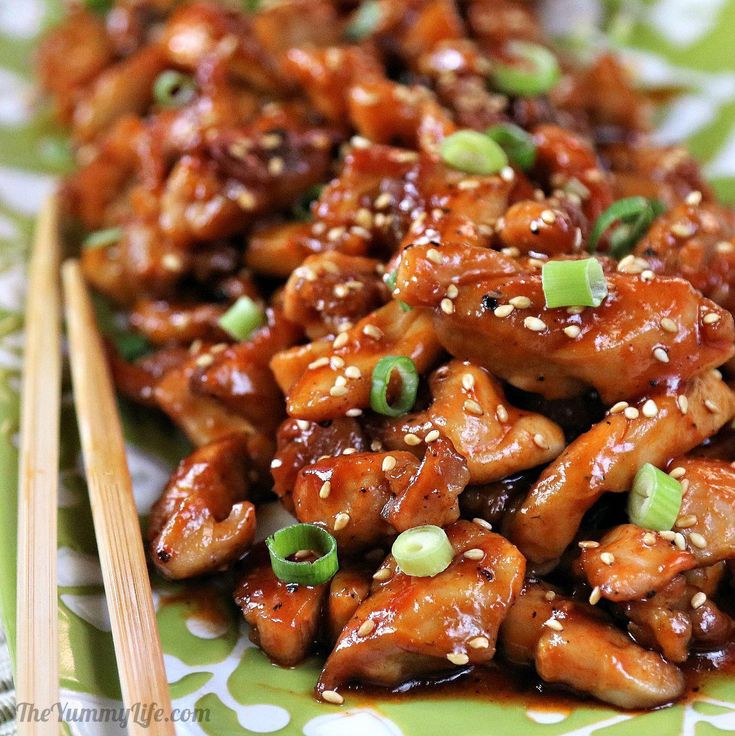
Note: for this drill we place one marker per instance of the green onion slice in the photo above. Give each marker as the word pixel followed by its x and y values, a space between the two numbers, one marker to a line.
pixel 381 381
pixel 99 6
pixel 535 72
pixel 173 89
pixel 635 214
pixel 473 152
pixel 242 318
pixel 364 22
pixel 423 551
pixel 516 142
pixel 286 542
pixel 655 499
pixel 573 283
pixel 102 238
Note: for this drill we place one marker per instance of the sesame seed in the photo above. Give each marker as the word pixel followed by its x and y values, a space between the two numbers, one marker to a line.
pixel 383 200
pixel 683 229
pixel 503 310
pixel 588 544
pixel 668 325
pixel 325 490
pixel 649 409
pixel 458 658
pixel 534 324
pixel 276 462
pixel 376 445
pixel 303 424
pixel 481 522
pixel 344 326
pixel 340 341
pixel 572 331
pixel 332 696
pixel 246 200
pixel 468 381
pixel 338 391
pixel 466 184
pixel 697 540
pixel 575 310
pixel 204 361
pixel 684 485
pixel 373 331
pixel 352 371
pixel 595 596
pixel 715 372
pixel 336 362
pixel 432 436
pixel 276 166
pixel 447 306
pixel 698 599
pixel 686 522
pixel 473 554
pixel 668 535
pixel 648 275
pixel 711 406
pixel 507 174
pixel 553 624
pixel 452 291
pixel 353 412
pixel 411 439
pixel 172 262
pixel 366 628
pixel 349 451
pixel 548 216
pixel 520 302
pixel 472 407
pixel 620 406
pixel 340 291
pixel 501 413
pixel 661 355
pixel 433 255
pixel 511 252
pixel 540 441
pixel 649 539
pixel 677 472
pixel 389 462
pixel 318 363
pixel 479 642
pixel 340 381
pixel 631 413
pixel 724 247
pixel 694 198
pixel 550 595
pixel 607 558
pixel 683 403
pixel 341 520
pixel 382 574
pixel 680 541
pixel 302 554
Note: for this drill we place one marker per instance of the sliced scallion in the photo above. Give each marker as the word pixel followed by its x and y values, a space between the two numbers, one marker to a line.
pixel 534 70
pixel 573 283
pixel 364 22
pixel 516 142
pixel 423 551
pixel 655 499
pixel 102 238
pixel 473 152
pixel 286 542
pixel 173 89
pixel 381 382
pixel 242 318
pixel 635 215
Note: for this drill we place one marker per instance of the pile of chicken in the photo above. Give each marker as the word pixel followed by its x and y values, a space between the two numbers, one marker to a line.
pixel 529 419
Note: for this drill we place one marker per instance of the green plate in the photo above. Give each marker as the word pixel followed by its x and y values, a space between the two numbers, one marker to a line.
pixel 210 662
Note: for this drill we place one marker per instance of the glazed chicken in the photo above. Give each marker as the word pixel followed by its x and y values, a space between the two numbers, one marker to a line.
pixel 329 231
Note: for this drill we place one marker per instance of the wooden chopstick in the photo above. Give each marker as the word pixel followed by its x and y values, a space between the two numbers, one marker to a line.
pixel 37 665
pixel 124 572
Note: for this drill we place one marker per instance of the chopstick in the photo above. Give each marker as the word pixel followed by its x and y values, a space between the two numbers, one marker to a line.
pixel 124 571
pixel 37 663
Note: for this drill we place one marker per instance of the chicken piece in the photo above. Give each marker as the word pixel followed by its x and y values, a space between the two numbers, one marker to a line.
pixel 606 459
pixel 497 440
pixel 581 650
pixel 326 74
pixel 491 501
pixel 238 375
pixel 696 242
pixel 203 522
pixel 422 625
pixel 70 57
pixel 122 89
pixel 668 621
pixel 301 443
pixel 705 523
pixel 284 616
pixel 619 348
pixel 326 392
pixel 643 562
pixel 165 322
pixel 330 290
pixel 666 173
pixel 347 590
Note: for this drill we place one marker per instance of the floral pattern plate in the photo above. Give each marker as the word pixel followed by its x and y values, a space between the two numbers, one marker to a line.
pixel 685 44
